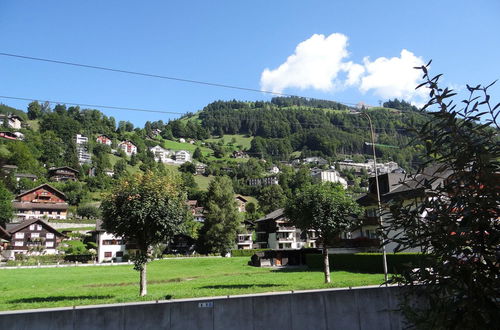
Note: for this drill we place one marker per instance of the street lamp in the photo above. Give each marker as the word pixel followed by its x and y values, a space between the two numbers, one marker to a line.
pixel 379 213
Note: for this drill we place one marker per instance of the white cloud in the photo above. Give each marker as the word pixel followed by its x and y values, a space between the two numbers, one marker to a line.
pixel 393 77
pixel 317 62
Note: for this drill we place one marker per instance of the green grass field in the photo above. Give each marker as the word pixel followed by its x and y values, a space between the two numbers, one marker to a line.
pixel 242 140
pixel 167 279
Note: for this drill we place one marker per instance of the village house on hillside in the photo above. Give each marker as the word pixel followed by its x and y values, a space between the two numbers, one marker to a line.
pixel 161 154
pixel 33 237
pixel 128 147
pixel 182 156
pixel 265 181
pixel 64 173
pixel 104 139
pixel 12 121
pixel 42 201
pixel 241 203
pixel 328 176
pixel 82 149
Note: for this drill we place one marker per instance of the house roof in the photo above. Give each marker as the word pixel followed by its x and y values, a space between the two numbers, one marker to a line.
pixel 12 228
pixel 45 206
pixel 25 175
pixel 241 198
pixel 402 186
pixel 273 215
pixel 63 168
pixel 4 233
pixel 41 186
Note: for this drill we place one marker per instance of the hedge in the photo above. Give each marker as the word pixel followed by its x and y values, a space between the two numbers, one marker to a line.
pixel 245 253
pixel 83 258
pixel 369 262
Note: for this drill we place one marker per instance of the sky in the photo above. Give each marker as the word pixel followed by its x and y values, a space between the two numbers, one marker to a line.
pixel 346 51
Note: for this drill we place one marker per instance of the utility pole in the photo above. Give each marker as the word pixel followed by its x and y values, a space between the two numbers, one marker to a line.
pixel 379 211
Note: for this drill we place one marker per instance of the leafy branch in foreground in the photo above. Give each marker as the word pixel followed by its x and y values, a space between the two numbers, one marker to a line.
pixel 457 224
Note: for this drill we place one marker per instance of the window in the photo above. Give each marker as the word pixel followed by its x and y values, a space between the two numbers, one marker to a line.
pixel 371 212
pixel 35 235
pixel 32 227
pixel 108 254
pixel 49 235
pixel 19 235
pixel 38 227
pixel 18 243
pixel 112 242
pixel 49 244
pixel 119 254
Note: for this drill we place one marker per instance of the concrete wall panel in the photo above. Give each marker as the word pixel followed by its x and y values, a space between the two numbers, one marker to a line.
pixel 191 316
pixel 272 312
pixel 233 313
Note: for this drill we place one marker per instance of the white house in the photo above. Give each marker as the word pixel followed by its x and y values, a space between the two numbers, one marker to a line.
pixel 128 147
pixel 182 156
pixel 104 139
pixel 109 247
pixel 13 121
pixel 161 154
pixel 274 231
pixel 84 156
pixel 329 176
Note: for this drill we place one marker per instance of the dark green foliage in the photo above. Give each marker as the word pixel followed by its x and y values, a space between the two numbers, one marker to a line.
pixel 246 253
pixel 460 231
pixel 271 198
pixel 222 219
pixel 397 263
pixel 81 258
pixel 188 167
pixel 34 110
pixel 6 211
pixel 400 105
pixel 88 211
pixel 145 209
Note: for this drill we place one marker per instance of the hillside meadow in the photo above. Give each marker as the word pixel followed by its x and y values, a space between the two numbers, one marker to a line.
pixel 167 279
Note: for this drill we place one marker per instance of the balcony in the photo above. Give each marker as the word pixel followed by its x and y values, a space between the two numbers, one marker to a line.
pixel 285 229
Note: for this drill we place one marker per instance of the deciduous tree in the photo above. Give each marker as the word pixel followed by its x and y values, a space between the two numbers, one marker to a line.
pixel 327 209
pixel 145 210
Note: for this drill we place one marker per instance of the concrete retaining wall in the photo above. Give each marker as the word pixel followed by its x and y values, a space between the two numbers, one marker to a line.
pixel 358 308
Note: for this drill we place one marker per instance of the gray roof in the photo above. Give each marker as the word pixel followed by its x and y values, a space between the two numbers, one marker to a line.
pixel 14 227
pixel 273 215
pixel 39 206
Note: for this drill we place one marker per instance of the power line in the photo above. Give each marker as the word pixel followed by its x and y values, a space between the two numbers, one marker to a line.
pixel 94 105
pixel 151 75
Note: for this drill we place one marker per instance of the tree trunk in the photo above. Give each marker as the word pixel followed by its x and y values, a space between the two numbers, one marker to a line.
pixel 143 282
pixel 326 264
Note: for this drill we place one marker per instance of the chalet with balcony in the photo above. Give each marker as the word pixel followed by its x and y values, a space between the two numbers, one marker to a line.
pixel 42 201
pixel 109 246
pixel 161 154
pixel 128 147
pixel 197 210
pixel 104 139
pixel 182 156
pixel 395 186
pixel 265 181
pixel 274 231
pixel 241 203
pixel 64 173
pixel 32 237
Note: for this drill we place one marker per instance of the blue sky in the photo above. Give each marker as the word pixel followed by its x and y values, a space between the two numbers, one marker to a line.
pixel 348 51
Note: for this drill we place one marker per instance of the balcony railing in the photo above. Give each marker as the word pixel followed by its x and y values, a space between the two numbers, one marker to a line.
pixel 283 229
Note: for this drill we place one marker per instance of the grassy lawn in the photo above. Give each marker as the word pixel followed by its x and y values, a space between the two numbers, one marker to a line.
pixel 203 181
pixel 242 140
pixel 167 279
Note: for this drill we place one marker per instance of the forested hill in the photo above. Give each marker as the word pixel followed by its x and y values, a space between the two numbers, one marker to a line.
pixel 321 128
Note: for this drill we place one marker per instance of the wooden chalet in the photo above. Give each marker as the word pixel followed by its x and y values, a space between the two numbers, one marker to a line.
pixel 64 173
pixel 42 201
pixel 33 236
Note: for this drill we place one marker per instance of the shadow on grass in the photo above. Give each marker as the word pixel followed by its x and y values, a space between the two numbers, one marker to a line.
pixel 292 269
pixel 239 286
pixel 57 298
